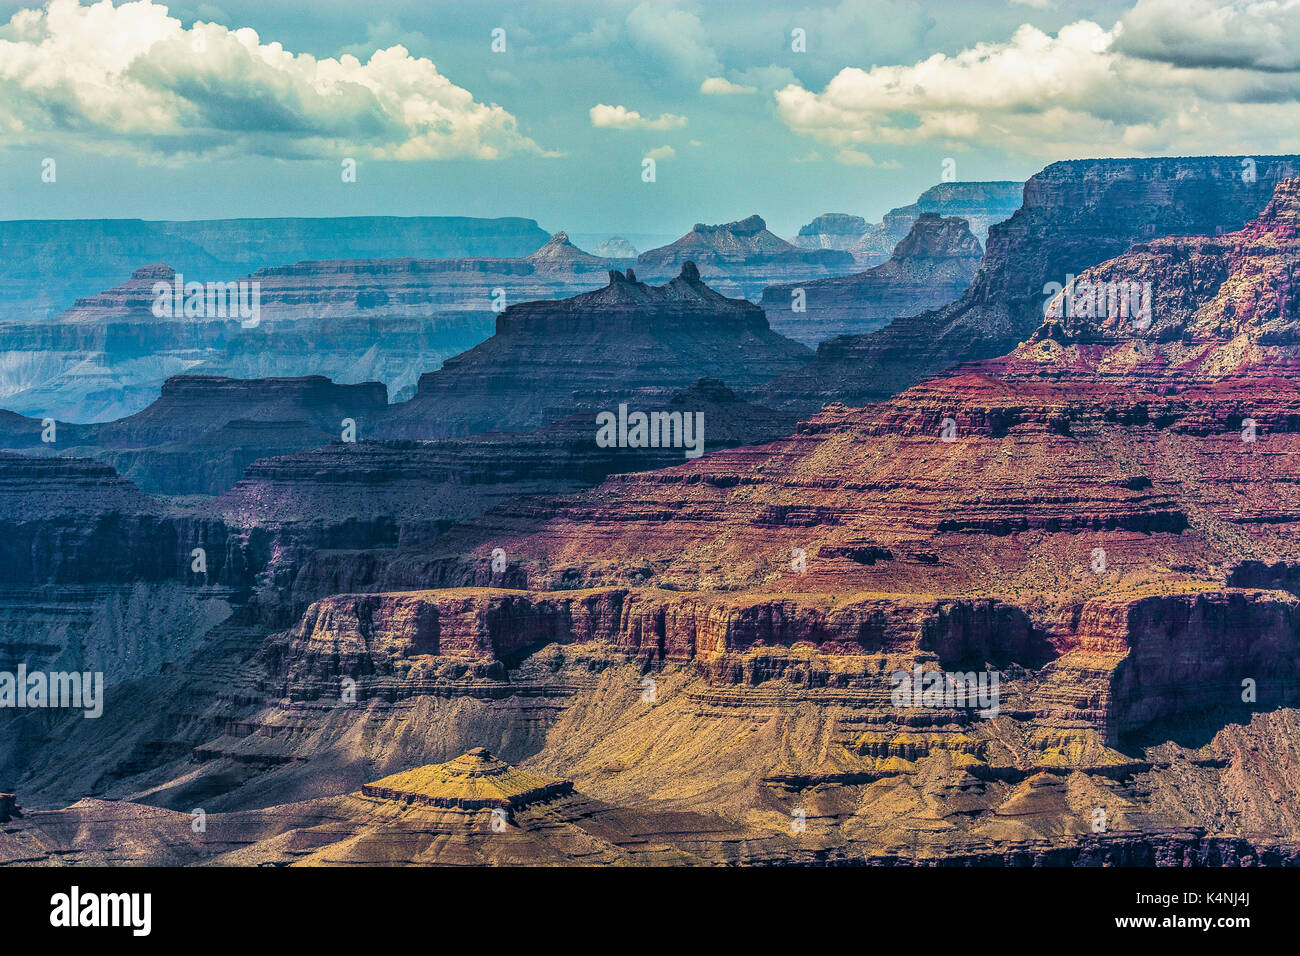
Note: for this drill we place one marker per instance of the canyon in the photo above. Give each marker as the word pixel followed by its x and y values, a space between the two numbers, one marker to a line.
pixel 383 320
pixel 376 307
pixel 640 659
pixel 353 320
pixel 550 363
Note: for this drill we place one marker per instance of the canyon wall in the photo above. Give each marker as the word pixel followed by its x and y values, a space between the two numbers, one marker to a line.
pixel 929 267
pixel 1075 215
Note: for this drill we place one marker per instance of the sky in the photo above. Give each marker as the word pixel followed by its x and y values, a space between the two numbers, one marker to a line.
pixel 549 110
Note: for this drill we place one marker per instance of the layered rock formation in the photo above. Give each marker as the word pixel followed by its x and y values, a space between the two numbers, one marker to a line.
pixel 932 266
pixel 556 269
pixel 627 342
pixel 84 372
pixel 473 781
pixel 53 262
pixel 981 204
pixel 203 431
pixel 1097 530
pixel 352 320
pixel 740 258
pixel 1105 477
pixel 376 826
pixel 386 320
pixel 406 493
pixel 1075 215
pixel 831 230
pixel 322 290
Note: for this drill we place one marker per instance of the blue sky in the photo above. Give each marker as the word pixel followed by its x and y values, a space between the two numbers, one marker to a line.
pixel 168 112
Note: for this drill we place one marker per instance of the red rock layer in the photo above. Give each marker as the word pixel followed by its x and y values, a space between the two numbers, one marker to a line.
pixel 1075 215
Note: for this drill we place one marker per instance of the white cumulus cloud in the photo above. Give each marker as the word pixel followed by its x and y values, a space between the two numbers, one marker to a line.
pixel 132 79
pixel 721 86
pixel 620 117
pixel 1086 91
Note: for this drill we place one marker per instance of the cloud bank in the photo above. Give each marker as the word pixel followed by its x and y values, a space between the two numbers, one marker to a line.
pixel 1162 80
pixel 131 79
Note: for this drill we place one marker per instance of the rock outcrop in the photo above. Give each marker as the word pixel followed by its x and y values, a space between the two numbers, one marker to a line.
pixel 741 258
pixel 981 204
pixel 473 781
pixel 932 266
pixel 831 230
pixel 627 342
pixel 1075 215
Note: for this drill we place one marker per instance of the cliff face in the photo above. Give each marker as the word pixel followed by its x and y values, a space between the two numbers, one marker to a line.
pixel 626 342
pixel 376 638
pixel 404 494
pixel 202 431
pixel 418 287
pixel 70 522
pixel 1075 215
pixel 53 262
pixel 981 204
pixel 740 258
pixel 296 487
pixel 95 576
pixel 931 266
pixel 1100 466
pixel 1218 306
pixel 831 230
